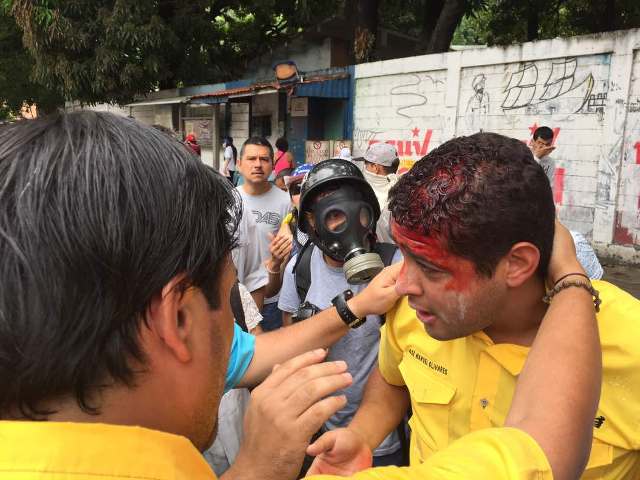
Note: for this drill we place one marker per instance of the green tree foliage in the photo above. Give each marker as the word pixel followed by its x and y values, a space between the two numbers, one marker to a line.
pixel 503 22
pixel 111 50
pixel 16 65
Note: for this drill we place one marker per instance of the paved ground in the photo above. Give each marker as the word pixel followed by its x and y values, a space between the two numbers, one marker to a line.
pixel 626 277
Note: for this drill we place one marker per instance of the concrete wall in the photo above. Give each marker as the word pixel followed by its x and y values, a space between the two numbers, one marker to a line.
pixel 587 89
pixel 308 56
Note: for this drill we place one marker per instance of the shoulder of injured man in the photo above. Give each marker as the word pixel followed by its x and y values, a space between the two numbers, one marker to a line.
pixel 495 453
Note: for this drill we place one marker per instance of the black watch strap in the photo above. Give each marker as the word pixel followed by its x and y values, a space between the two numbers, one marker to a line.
pixel 347 316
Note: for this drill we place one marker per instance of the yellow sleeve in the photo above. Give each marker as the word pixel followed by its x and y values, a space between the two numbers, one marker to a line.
pixel 390 352
pixel 495 453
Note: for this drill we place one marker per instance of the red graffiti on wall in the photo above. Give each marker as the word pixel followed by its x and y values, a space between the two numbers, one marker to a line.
pixel 558 187
pixel 410 148
pixel 637 147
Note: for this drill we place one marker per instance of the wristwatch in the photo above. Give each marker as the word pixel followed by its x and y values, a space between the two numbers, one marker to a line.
pixel 347 316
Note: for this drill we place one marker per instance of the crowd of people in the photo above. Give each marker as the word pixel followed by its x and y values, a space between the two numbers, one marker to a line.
pixel 274 320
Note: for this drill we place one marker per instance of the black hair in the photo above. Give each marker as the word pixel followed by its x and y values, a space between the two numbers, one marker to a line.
pixel 228 140
pixel 282 144
pixel 285 172
pixel 544 133
pixel 480 195
pixel 97 214
pixel 261 141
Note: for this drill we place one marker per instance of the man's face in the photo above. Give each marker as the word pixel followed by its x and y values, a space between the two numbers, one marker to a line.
pixel 256 164
pixel 541 147
pixel 450 298
pixel 374 168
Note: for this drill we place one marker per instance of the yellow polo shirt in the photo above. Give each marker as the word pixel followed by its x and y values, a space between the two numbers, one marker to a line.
pixel 92 451
pixel 492 453
pixel 464 385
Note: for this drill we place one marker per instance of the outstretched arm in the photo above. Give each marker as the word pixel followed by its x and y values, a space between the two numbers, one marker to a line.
pixel 562 373
pixel 319 331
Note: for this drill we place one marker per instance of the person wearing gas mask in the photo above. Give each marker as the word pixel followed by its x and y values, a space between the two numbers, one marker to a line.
pixel 339 211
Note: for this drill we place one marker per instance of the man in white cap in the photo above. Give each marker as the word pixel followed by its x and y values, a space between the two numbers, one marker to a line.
pixel 380 166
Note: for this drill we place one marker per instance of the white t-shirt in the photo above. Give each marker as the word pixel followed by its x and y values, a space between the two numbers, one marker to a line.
pixel 228 155
pixel 246 258
pixel 267 211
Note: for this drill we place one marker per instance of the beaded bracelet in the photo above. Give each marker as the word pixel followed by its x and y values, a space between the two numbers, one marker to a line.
pixel 588 287
pixel 272 272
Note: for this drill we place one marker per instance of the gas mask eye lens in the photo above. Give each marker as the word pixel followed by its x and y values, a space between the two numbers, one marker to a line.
pixel 365 217
pixel 335 221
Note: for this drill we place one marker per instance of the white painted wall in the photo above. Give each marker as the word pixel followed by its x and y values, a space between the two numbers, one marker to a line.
pixel 585 88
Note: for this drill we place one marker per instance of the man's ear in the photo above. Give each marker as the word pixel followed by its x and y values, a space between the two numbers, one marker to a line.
pixel 169 320
pixel 521 263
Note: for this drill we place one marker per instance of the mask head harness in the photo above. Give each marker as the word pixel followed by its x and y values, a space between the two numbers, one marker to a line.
pixel 345 211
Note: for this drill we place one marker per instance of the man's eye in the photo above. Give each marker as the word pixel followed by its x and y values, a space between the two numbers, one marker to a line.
pixel 429 271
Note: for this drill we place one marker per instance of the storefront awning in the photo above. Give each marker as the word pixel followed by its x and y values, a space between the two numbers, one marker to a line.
pixel 159 101
pixel 334 88
pixel 327 86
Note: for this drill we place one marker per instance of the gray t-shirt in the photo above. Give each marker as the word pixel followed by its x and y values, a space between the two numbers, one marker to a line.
pixel 268 210
pixel 359 347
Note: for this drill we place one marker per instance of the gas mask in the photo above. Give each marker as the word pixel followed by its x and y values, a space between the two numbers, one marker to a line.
pixel 345 231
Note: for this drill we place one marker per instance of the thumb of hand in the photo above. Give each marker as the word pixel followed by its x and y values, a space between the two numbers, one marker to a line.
pixel 323 444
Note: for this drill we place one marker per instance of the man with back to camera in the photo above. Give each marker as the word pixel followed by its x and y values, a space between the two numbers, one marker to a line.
pixel 474 220
pixel 132 281
pixel 339 211
pixel 139 334
pixel 268 204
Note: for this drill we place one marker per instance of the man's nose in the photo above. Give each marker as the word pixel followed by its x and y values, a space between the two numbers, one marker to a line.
pixel 406 283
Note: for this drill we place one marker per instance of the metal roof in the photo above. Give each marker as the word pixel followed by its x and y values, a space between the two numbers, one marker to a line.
pixel 328 85
pixel 159 101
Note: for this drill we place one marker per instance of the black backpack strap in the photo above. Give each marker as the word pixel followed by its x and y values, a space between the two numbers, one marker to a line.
pixel 386 251
pixel 302 270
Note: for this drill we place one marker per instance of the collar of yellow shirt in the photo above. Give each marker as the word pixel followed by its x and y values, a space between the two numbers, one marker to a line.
pixel 94 450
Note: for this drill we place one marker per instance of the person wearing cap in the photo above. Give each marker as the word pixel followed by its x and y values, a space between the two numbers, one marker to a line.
pixel 381 164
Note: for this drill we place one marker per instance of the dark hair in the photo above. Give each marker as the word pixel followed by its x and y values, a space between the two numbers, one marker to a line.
pixel 285 172
pixel 481 195
pixel 261 141
pixel 228 140
pixel 97 213
pixel 282 144
pixel 394 167
pixel 544 133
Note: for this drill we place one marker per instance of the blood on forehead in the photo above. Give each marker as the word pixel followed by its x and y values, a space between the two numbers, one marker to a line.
pixel 432 249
